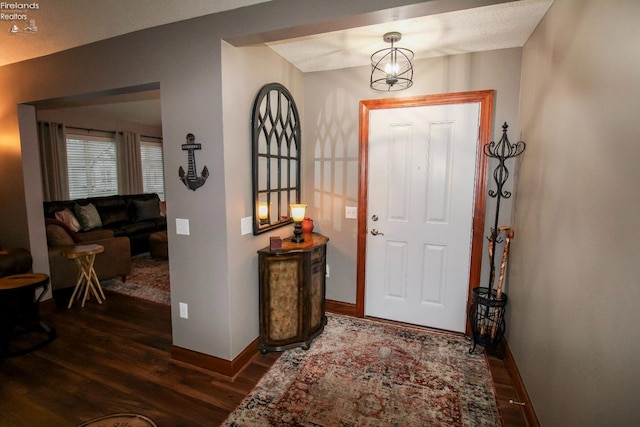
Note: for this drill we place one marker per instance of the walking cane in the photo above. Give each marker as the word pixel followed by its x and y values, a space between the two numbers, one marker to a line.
pixel 503 264
pixel 483 326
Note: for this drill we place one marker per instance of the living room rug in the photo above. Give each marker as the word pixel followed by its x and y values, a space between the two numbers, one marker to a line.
pixel 361 372
pixel 148 279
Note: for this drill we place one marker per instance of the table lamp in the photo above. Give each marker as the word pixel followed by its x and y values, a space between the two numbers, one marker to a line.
pixel 297 214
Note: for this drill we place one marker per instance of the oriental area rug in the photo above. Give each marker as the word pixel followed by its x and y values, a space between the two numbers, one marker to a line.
pixel 148 279
pixel 366 373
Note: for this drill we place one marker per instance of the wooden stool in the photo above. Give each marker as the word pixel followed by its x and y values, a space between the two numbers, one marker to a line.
pixel 84 256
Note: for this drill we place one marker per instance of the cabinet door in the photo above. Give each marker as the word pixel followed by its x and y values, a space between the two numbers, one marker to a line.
pixel 282 300
pixel 317 289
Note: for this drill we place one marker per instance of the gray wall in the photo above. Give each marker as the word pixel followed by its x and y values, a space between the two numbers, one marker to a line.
pixel 575 274
pixel 245 70
pixel 331 132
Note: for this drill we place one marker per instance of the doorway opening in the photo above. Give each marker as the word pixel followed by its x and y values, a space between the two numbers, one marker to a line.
pixel 94 126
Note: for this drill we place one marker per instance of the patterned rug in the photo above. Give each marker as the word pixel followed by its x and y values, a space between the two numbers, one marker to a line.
pixel 367 373
pixel 149 279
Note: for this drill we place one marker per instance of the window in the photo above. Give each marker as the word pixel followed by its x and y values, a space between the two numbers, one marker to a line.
pixel 152 169
pixel 92 165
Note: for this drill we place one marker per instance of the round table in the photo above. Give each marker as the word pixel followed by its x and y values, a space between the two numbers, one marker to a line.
pixel 19 312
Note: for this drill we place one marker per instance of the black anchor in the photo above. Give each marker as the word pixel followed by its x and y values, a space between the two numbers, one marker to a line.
pixel 190 179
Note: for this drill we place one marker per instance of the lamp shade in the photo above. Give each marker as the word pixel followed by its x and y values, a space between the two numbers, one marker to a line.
pixel 298 212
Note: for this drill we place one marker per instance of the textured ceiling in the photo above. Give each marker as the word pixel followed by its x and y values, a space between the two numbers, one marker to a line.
pixel 498 26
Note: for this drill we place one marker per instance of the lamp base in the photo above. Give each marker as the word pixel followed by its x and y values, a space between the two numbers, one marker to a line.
pixel 297 233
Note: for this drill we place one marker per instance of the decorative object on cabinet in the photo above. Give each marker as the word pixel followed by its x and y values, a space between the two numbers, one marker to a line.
pixel 276 157
pixel 189 178
pixel 487 310
pixel 275 243
pixel 292 293
pixel 307 225
pixel 297 214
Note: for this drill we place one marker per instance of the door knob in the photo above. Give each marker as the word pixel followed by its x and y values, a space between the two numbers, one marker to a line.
pixel 375 232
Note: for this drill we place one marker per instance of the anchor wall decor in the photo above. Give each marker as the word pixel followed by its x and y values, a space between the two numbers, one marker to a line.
pixel 190 179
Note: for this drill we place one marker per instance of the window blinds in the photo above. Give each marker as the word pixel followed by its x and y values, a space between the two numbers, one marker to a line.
pixel 92 166
pixel 152 168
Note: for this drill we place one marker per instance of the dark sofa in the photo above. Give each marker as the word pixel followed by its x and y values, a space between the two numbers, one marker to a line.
pixel 135 216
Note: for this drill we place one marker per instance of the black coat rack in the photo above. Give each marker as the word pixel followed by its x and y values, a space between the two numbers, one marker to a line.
pixel 502 151
pixel 486 313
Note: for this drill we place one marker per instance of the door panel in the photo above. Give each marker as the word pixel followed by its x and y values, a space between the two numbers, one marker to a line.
pixel 434 275
pixel 395 277
pixel 438 197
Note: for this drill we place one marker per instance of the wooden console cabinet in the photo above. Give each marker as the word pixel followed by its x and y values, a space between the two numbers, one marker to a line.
pixel 292 293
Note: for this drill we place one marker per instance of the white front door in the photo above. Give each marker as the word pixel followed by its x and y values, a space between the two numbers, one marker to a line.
pixel 422 164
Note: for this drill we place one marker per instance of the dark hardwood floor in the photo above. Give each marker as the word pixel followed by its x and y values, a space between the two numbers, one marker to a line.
pixel 114 357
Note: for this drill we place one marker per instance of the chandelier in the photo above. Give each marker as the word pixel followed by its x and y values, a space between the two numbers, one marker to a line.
pixel 391 68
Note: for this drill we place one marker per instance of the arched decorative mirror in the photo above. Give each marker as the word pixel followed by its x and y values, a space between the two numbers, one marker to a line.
pixel 276 157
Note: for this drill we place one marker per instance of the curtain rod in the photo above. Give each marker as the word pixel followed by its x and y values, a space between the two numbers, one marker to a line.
pixel 110 131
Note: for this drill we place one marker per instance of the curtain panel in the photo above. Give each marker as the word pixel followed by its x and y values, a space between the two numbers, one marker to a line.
pixel 52 143
pixel 129 163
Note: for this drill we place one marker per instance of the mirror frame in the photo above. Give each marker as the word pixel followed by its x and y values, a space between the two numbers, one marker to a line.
pixel 275 120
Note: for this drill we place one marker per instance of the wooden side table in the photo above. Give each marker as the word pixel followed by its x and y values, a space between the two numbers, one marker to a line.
pixel 85 256
pixel 19 307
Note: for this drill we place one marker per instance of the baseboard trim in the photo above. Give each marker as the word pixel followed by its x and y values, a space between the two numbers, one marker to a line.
pixel 338 307
pixel 231 368
pixel 226 368
pixel 518 385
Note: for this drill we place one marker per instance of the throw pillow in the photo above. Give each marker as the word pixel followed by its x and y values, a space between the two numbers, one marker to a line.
pixel 147 209
pixel 88 216
pixel 68 218
pixel 113 216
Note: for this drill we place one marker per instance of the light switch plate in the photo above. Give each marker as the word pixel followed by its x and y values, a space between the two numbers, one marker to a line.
pixel 184 310
pixel 182 226
pixel 351 212
pixel 246 225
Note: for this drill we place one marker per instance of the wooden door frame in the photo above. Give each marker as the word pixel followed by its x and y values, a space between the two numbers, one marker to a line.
pixel 485 98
